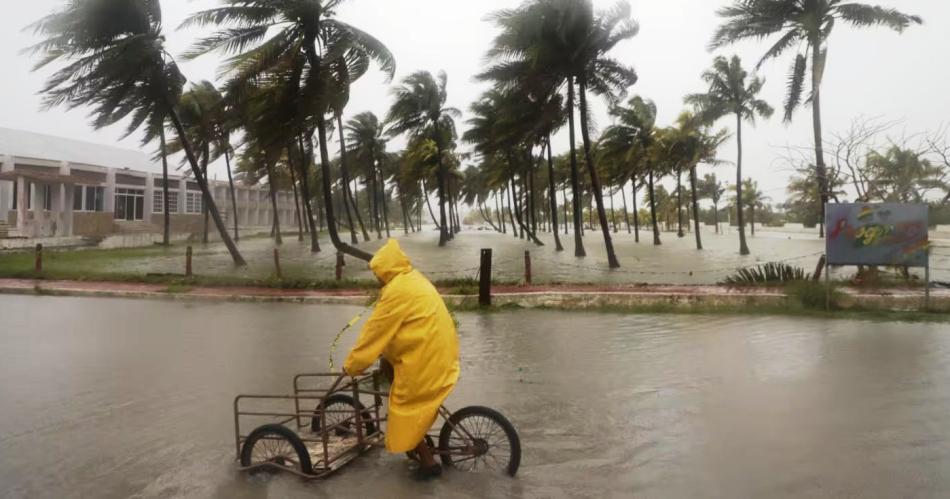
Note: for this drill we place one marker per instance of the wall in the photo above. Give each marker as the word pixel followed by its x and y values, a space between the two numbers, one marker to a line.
pixel 92 223
pixel 192 224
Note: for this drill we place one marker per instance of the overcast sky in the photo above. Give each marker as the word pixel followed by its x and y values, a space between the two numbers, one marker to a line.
pixel 871 72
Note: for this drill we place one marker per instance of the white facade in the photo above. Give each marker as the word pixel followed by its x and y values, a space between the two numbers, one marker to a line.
pixel 51 187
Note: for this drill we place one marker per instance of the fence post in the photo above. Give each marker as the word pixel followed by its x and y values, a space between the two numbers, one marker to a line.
pixel 339 266
pixel 280 274
pixel 38 261
pixel 819 269
pixel 188 254
pixel 484 283
pixel 527 267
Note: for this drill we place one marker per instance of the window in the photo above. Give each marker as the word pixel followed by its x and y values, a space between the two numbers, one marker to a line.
pixel 129 204
pixel 192 202
pixel 47 197
pixel 158 201
pixel 88 198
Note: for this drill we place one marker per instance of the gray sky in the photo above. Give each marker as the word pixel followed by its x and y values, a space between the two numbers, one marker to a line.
pixel 871 72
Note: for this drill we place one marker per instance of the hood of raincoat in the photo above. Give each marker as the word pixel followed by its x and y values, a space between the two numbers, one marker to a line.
pixel 390 262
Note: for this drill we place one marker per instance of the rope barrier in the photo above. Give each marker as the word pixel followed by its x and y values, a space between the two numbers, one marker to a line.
pixel 347 327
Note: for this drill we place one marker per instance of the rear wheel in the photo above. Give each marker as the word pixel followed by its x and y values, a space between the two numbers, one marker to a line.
pixel 339 407
pixel 275 446
pixel 480 439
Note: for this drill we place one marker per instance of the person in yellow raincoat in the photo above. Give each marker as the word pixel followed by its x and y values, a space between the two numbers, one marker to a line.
pixel 412 329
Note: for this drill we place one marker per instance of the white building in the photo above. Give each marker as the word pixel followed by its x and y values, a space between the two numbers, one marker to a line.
pixel 53 187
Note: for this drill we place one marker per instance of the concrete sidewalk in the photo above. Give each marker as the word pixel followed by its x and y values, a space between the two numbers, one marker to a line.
pixel 573 297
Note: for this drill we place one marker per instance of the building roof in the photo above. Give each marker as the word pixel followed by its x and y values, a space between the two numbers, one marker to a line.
pixel 25 144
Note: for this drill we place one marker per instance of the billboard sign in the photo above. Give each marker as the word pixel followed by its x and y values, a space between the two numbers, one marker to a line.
pixel 876 234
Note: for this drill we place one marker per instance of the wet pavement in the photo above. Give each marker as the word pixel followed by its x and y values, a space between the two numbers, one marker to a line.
pixel 124 398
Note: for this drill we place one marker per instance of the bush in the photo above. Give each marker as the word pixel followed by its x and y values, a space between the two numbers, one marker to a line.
pixel 769 273
pixel 814 295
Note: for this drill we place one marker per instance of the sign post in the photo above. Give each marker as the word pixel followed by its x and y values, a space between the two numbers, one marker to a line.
pixel 891 234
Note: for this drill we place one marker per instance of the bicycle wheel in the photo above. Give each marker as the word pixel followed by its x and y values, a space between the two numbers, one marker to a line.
pixel 276 446
pixel 341 407
pixel 480 439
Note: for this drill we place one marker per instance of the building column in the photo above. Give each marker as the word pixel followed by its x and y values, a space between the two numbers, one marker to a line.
pixel 65 202
pixel 108 204
pixel 149 198
pixel 21 216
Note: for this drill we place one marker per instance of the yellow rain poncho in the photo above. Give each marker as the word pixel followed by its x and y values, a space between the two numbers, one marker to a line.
pixel 413 330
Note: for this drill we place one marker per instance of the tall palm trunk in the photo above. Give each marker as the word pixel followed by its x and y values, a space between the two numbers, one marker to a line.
pixel 206 156
pixel 564 197
pixel 373 196
pixel 511 215
pixel 297 214
pixel 347 195
pixel 656 228
pixel 626 211
pixel 613 214
pixel 500 215
pixel 716 215
pixel 752 218
pixel 525 230
pixel 679 203
pixel 382 187
pixel 314 60
pixel 444 236
pixel 425 192
pixel 743 247
pixel 692 187
pixel 203 185
pixel 166 229
pixel 552 196
pixel 612 260
pixel 303 169
pixel 234 208
pixel 821 170
pixel 272 184
pixel 636 214
pixel 579 250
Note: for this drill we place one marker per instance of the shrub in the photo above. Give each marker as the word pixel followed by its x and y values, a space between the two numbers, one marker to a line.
pixel 814 295
pixel 768 273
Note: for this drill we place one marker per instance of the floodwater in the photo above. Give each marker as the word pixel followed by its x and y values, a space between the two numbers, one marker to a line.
pixel 675 262
pixel 120 398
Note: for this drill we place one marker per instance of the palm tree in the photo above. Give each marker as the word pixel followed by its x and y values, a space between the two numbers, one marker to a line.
pixel 301 28
pixel 731 91
pixel 753 198
pixel 419 110
pixel 711 188
pixel 631 141
pixel 116 63
pixel 805 27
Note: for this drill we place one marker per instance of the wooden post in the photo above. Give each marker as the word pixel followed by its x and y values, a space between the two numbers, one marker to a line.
pixel 188 254
pixel 484 282
pixel 527 267
pixel 280 275
pixel 819 269
pixel 38 261
pixel 340 263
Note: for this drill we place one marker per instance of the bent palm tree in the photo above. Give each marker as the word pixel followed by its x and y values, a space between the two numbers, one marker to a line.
pixel 806 26
pixel 729 93
pixel 116 63
pixel 419 110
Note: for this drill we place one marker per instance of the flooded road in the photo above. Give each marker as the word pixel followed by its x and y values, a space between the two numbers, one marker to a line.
pixel 675 262
pixel 121 398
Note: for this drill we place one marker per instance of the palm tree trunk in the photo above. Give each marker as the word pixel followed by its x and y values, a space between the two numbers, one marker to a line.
pixel 552 196
pixel 425 192
pixel 626 211
pixel 752 218
pixel 373 195
pixel 820 170
pixel 297 215
pixel 441 178
pixel 328 196
pixel 166 229
pixel 716 215
pixel 525 230
pixel 500 215
pixel 743 247
pixel 564 197
pixel 579 250
pixel 679 202
pixel 656 228
pixel 272 184
pixel 206 156
pixel 613 214
pixel 234 208
pixel 636 214
pixel 302 168
pixel 612 260
pixel 692 186
pixel 203 185
pixel 382 187
pixel 511 214
pixel 345 180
